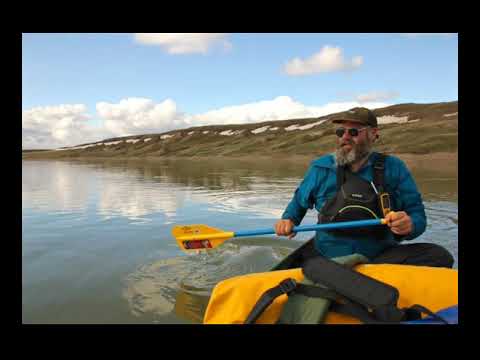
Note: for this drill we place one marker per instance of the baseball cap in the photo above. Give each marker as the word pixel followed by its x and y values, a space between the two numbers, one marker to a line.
pixel 359 114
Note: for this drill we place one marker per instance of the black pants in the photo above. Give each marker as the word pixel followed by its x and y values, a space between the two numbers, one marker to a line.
pixel 420 254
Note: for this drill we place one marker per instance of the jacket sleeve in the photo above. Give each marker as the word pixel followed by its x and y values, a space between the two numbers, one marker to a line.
pixel 410 201
pixel 304 197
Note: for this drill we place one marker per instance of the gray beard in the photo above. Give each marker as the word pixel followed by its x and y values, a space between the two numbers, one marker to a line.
pixel 357 153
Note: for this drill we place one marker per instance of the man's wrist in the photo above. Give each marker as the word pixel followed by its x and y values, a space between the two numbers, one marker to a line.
pixel 287 217
pixel 408 236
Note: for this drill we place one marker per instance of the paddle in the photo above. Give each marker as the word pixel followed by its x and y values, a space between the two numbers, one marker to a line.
pixel 198 236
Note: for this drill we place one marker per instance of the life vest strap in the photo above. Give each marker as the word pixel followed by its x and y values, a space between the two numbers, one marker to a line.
pixel 379 173
pixel 285 287
pixel 340 176
pixel 288 286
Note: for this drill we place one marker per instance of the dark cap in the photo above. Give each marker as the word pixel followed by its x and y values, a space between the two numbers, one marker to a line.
pixel 359 114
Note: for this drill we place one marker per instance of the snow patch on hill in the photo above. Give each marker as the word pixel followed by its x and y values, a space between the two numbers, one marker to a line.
pixel 260 130
pixel 387 119
pixel 452 114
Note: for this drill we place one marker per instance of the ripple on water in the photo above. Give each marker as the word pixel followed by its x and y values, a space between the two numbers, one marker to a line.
pixel 442 216
pixel 183 284
pixel 442 226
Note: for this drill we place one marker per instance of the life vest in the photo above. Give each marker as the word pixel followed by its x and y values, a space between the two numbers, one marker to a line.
pixel 358 199
pixel 232 300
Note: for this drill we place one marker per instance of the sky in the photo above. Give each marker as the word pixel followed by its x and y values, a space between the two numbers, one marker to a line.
pixel 80 88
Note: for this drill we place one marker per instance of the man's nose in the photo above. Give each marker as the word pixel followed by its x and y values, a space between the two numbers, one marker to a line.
pixel 346 135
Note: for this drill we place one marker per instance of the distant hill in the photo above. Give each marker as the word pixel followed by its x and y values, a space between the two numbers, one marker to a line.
pixel 404 128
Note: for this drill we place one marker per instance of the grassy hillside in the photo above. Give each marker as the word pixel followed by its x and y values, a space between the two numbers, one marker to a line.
pixel 404 128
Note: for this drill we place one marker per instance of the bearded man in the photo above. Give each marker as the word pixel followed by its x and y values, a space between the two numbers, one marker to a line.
pixel 347 185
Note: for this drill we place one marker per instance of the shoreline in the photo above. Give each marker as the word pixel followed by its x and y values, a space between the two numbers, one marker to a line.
pixel 436 161
pixel 440 161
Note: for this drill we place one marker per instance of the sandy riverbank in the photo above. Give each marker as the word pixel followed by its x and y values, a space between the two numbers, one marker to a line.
pixel 440 161
pixel 437 161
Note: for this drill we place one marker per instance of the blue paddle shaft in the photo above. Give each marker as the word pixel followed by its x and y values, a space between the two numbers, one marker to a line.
pixel 329 226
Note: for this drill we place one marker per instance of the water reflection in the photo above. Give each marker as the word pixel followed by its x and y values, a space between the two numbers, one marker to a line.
pixel 137 199
pixel 77 222
pixel 54 186
pixel 135 190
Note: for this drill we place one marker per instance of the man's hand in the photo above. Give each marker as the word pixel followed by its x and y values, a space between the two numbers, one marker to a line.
pixel 399 222
pixel 284 227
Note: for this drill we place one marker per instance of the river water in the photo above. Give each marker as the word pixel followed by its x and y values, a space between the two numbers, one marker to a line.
pixel 97 245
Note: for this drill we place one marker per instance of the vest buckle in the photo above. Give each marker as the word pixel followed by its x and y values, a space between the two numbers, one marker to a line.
pixel 287 285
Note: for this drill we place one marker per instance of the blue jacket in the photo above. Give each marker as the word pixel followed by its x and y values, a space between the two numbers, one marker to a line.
pixel 319 184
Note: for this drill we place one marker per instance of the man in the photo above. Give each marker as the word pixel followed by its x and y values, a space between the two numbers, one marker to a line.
pixel 344 186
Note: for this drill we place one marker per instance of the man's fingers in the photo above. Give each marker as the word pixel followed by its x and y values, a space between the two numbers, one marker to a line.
pixel 399 229
pixel 283 227
pixel 287 230
pixel 281 230
pixel 395 219
pixel 399 222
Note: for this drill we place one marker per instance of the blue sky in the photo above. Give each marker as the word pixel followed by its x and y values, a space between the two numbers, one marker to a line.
pixel 78 88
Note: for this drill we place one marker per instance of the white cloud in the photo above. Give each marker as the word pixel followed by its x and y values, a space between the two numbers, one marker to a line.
pixel 280 108
pixel 57 126
pixel 329 59
pixel 377 96
pixel 139 115
pixel 184 43
pixel 64 125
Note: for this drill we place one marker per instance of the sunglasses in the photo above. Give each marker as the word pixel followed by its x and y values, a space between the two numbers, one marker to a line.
pixel 352 131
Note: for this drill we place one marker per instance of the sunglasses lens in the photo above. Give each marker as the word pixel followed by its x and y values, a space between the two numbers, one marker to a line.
pixel 353 132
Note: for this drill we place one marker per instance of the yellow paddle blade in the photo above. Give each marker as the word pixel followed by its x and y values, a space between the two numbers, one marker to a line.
pixel 199 236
